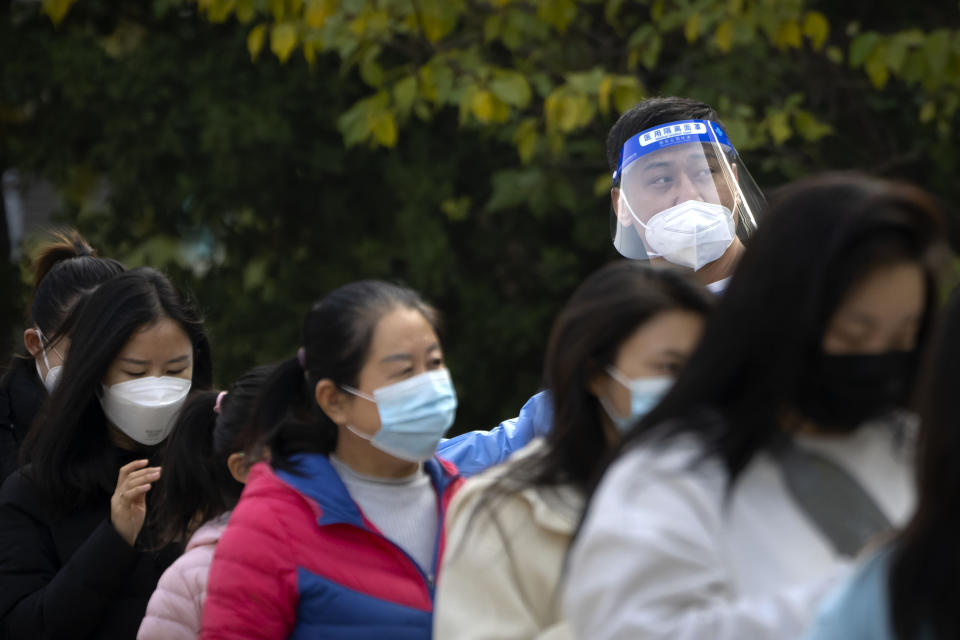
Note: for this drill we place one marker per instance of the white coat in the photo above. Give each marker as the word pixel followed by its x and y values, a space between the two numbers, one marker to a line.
pixel 502 564
pixel 664 554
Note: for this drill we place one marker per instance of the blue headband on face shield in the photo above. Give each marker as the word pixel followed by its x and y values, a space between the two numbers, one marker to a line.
pixel 668 135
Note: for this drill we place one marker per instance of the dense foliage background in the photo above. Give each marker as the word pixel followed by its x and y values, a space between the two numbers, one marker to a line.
pixel 264 151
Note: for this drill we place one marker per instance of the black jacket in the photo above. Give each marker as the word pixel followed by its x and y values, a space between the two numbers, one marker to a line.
pixel 70 575
pixel 21 395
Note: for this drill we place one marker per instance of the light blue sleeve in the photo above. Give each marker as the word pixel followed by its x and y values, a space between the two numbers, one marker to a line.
pixel 475 451
pixel 858 609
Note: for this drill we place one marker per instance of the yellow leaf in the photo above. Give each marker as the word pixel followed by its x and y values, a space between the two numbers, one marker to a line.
pixel 627 94
pixel 692 27
pixel 255 40
pixel 278 8
pixel 526 138
pixel 318 11
pixel 245 11
pixel 283 40
pixel 309 53
pixel 779 126
pixel 723 37
pixel 876 68
pixel 482 106
pixel 384 129
pixel 57 10
pixel 736 7
pixel 789 35
pixel 816 27
pixel 558 13
pixel 603 93
pixel 928 112
pixel 220 10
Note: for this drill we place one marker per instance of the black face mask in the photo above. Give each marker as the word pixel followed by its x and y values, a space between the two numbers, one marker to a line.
pixel 844 391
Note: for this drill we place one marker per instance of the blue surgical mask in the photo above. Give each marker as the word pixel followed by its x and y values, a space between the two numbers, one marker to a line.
pixel 645 393
pixel 414 415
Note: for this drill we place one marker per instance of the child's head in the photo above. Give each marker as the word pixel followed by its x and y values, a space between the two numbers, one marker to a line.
pixel 208 456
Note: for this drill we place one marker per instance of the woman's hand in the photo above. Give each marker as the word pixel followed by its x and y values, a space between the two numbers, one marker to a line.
pixel 128 506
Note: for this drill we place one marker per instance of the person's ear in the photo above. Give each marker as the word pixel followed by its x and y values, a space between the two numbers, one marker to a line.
pixel 239 466
pixel 332 401
pixel 597 381
pixel 623 215
pixel 32 342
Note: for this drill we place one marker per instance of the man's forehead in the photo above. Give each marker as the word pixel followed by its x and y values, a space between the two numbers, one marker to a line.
pixel 677 153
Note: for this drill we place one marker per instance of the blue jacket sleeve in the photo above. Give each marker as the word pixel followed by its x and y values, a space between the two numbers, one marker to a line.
pixel 475 451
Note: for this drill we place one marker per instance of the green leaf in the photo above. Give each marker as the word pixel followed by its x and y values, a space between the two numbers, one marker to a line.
pixel 511 87
pixel 525 138
pixel 557 13
pixel 928 112
pixel 862 46
pixel 404 93
pixel 937 49
pixel 456 209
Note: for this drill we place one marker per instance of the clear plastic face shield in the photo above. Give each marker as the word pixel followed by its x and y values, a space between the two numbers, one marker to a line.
pixel 681 194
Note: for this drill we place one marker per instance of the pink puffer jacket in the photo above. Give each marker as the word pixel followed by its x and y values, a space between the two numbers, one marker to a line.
pixel 176 607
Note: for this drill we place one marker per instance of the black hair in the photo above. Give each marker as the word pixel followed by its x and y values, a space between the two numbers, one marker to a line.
pixel 197 485
pixel 922 585
pixel 651 113
pixel 604 311
pixel 70 456
pixel 337 333
pixel 65 270
pixel 820 237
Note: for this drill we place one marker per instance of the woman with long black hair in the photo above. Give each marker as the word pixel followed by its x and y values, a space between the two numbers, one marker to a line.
pixel 780 451
pixel 614 350
pixel 909 589
pixel 75 558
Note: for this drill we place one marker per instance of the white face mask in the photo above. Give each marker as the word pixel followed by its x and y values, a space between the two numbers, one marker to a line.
pixel 145 408
pixel 691 234
pixel 53 373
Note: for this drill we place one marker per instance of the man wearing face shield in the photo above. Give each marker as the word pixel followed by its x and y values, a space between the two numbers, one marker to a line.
pixel 681 193
pixel 682 197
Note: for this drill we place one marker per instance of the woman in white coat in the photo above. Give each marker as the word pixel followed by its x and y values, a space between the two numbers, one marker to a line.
pixel 780 451
pixel 613 351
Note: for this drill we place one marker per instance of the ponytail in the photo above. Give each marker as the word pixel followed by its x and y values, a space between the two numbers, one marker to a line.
pixel 288 411
pixel 197 484
pixel 65 271
pixel 191 489
pixel 65 246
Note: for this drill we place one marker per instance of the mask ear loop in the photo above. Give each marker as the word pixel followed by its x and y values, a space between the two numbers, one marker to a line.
pixel 633 214
pixel 360 394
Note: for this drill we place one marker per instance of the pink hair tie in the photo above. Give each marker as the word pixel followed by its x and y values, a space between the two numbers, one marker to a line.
pixel 302 358
pixel 216 407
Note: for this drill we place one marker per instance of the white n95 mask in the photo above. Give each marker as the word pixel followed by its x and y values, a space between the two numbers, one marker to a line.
pixel 691 234
pixel 145 408
pixel 53 373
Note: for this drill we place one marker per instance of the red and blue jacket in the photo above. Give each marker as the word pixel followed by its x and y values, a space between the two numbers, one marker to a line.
pixel 299 560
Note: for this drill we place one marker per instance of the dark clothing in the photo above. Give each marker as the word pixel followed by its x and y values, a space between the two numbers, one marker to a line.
pixel 70 575
pixel 21 395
